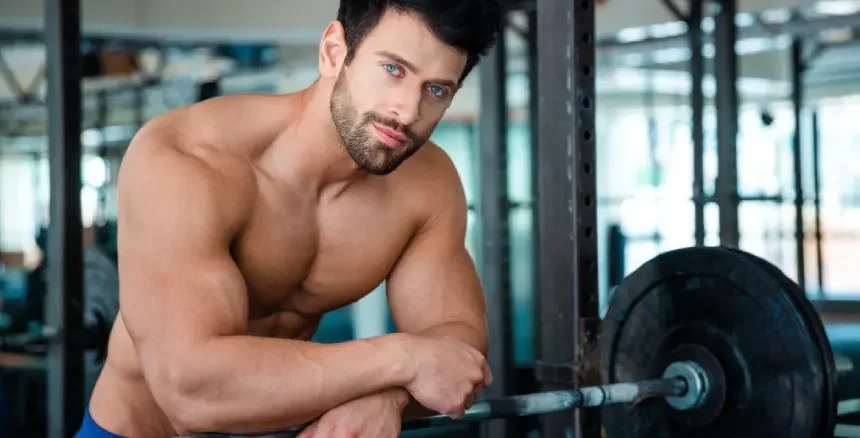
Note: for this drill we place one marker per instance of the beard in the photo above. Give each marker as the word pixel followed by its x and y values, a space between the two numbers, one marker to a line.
pixel 368 152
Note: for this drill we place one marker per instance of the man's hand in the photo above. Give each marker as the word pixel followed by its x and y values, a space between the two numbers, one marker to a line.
pixel 374 416
pixel 448 374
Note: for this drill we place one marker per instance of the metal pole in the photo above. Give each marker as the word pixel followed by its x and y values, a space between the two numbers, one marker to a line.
pixel 797 68
pixel 493 125
pixel 534 126
pixel 816 187
pixel 697 104
pixel 64 306
pixel 568 195
pixel 726 72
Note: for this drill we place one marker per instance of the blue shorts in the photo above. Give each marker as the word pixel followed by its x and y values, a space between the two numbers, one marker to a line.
pixel 90 429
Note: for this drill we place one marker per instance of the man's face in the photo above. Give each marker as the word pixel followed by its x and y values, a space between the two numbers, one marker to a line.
pixel 389 99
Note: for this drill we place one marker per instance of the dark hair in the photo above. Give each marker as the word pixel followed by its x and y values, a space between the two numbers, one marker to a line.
pixel 469 25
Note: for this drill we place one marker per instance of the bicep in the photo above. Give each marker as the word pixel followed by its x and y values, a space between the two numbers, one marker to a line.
pixel 435 281
pixel 179 282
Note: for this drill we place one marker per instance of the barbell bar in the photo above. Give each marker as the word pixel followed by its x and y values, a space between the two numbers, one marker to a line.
pixel 684 386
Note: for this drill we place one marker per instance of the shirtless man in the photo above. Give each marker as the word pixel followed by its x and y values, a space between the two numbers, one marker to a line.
pixel 243 219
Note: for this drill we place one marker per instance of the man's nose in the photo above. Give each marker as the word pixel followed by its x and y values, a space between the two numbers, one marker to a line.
pixel 405 107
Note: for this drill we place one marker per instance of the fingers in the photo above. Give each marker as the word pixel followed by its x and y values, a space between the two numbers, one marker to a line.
pixel 488 375
pixel 476 395
pixel 470 400
pixel 309 432
pixel 484 375
pixel 485 367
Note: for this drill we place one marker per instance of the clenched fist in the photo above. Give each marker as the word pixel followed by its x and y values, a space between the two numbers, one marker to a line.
pixel 373 416
pixel 448 374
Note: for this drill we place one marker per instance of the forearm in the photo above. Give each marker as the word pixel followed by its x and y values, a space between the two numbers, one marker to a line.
pixel 462 331
pixel 252 385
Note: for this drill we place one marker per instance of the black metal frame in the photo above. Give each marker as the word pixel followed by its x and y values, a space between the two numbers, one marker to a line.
pixel 697 106
pixel 567 202
pixel 534 126
pixel 816 188
pixel 494 212
pixel 64 303
pixel 726 73
pixel 797 98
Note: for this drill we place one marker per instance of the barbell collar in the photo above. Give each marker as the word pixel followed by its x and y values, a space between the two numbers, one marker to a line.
pixel 697 385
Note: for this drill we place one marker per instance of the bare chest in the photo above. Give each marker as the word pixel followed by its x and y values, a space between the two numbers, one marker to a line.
pixel 300 261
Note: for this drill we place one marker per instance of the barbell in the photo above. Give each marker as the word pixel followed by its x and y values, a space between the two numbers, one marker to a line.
pixel 685 385
pixel 697 342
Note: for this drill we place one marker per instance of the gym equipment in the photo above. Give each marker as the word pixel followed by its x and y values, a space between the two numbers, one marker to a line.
pixel 101 297
pixel 745 323
pixel 702 341
pixel 685 385
pixel 101 305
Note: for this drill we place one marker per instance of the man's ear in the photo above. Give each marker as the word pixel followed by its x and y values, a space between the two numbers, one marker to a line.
pixel 332 51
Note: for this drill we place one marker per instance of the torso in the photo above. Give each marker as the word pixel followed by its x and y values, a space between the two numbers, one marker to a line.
pixel 301 259
pixel 301 255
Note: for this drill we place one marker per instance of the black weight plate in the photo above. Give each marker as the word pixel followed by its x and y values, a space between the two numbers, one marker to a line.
pixel 101 286
pixel 815 324
pixel 101 305
pixel 775 378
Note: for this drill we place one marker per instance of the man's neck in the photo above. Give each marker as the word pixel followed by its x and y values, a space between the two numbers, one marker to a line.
pixel 311 147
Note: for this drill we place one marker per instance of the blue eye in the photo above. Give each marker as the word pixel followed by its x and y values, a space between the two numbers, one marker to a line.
pixel 437 90
pixel 391 68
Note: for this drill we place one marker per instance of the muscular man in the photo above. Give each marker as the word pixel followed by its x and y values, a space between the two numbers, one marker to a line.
pixel 243 219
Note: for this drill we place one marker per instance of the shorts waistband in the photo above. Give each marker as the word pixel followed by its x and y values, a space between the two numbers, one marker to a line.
pixel 91 429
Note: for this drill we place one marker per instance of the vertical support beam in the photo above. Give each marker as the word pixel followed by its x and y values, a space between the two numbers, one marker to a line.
pixel 697 106
pixel 726 72
pixel 495 257
pixel 534 126
pixel 64 306
pixel 797 68
pixel 816 187
pixel 566 205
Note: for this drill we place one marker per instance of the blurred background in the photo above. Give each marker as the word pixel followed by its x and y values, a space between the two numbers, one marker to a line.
pixel 798 101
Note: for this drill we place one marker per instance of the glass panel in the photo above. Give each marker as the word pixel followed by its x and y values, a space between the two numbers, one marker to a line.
pixel 840 199
pixel 457 140
pixel 765 165
pixel 18 193
pixel 840 267
pixel 767 230
pixel 519 163
pixel 473 236
pixel 522 283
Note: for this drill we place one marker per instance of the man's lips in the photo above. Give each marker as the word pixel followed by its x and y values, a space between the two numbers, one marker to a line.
pixel 389 136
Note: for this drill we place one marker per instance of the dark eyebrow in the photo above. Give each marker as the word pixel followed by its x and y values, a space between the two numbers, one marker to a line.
pixel 411 67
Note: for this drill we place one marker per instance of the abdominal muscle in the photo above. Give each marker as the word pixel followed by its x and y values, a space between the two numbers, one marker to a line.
pixel 122 402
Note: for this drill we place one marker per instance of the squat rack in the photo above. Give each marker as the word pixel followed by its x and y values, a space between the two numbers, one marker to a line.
pixel 567 199
pixel 64 303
